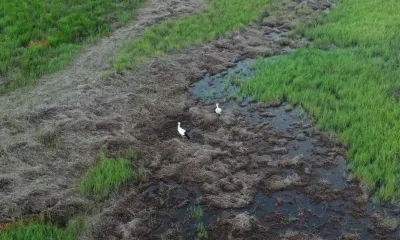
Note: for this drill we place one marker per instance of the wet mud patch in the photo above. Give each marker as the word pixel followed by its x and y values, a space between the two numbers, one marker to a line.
pixel 178 213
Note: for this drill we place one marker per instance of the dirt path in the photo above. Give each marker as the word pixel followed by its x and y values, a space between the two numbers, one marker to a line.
pixel 87 66
pixel 40 158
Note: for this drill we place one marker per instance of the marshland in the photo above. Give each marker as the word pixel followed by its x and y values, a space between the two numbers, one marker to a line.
pixel 306 145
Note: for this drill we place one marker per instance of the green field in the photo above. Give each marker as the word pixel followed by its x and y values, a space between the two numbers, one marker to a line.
pixel 349 81
pixel 217 19
pixel 41 36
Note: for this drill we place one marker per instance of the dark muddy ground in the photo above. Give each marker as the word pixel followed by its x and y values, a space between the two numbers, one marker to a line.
pixel 258 177
pixel 258 172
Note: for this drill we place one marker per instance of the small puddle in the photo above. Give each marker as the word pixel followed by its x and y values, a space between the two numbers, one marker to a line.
pixel 283 210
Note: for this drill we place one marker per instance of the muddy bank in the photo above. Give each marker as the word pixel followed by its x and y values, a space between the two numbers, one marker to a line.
pixel 256 171
pixel 308 188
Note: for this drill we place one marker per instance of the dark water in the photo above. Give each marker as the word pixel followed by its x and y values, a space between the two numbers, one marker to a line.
pixel 284 210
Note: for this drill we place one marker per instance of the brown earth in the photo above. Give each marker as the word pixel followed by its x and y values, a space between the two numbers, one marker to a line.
pixel 51 134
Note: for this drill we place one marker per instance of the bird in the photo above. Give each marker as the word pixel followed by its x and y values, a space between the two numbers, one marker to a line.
pixel 182 132
pixel 218 110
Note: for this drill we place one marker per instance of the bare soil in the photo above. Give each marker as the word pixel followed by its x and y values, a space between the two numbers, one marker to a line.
pixel 246 174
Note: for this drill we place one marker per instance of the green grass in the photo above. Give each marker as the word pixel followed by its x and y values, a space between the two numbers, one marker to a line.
pixel 217 19
pixel 348 80
pixel 201 231
pixel 196 212
pixel 109 175
pixel 20 231
pixel 41 36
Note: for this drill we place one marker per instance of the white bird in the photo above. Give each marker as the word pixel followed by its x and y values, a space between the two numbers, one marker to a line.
pixel 182 132
pixel 218 110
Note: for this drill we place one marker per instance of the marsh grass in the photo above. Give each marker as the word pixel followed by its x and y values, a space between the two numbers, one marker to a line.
pixel 226 86
pixel 202 232
pixel 196 212
pixel 347 80
pixel 289 219
pixel 289 108
pixel 111 174
pixel 217 19
pixel 41 36
pixel 20 230
pixel 131 154
pixel 141 175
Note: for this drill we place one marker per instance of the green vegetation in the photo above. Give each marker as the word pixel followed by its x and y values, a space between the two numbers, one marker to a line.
pixel 234 79
pixel 41 36
pixel 216 20
pixel 289 108
pixel 21 231
pixel 213 92
pixel 289 219
pixel 348 80
pixel 226 86
pixel 109 175
pixel 197 212
pixel 201 231
pixel 131 154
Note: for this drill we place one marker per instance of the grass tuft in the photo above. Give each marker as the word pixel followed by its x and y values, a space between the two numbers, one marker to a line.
pixel 131 154
pixel 201 231
pixel 196 212
pixel 108 175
